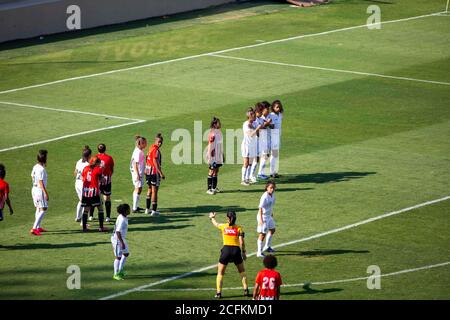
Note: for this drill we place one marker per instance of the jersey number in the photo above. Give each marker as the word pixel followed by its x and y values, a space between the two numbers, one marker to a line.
pixel 270 282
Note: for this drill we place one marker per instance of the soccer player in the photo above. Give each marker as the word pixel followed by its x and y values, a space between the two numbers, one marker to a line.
pixel 266 224
pixel 118 241
pixel 106 184
pixel 92 175
pixel 275 136
pixel 137 167
pixel 4 192
pixel 79 167
pixel 264 138
pixel 233 250
pixel 248 146
pixel 268 281
pixel 39 191
pixel 154 174
pixel 214 155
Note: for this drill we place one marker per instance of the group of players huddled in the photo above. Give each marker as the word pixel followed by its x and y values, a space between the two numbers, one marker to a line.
pixel 93 185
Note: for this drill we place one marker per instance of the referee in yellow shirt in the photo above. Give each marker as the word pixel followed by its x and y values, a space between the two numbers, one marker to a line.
pixel 233 250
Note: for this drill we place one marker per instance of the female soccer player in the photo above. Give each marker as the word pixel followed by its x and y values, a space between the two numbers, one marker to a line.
pixel 137 167
pixel 39 191
pixel 92 175
pixel 233 250
pixel 268 281
pixel 154 174
pixel 275 136
pixel 106 184
pixel 79 167
pixel 266 224
pixel 248 146
pixel 264 139
pixel 119 244
pixel 214 155
pixel 4 192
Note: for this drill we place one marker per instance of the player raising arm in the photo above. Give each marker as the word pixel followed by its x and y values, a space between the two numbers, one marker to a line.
pixel 268 281
pixel 4 192
pixel 39 191
pixel 233 250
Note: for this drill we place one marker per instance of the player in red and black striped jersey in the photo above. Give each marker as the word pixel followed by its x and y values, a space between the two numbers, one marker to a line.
pixel 92 176
pixel 154 174
pixel 214 155
pixel 107 163
pixel 4 192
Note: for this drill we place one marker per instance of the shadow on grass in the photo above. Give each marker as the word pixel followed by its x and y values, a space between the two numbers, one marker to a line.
pixel 32 246
pixel 318 252
pixel 322 177
pixel 310 290
pixel 262 190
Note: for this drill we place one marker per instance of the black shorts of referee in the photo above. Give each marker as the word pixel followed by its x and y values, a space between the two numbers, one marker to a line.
pixel 231 254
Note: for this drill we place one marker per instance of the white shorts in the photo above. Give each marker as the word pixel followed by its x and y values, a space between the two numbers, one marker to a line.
pixel 38 198
pixel 137 183
pixel 275 140
pixel 264 142
pixel 249 151
pixel 268 224
pixel 79 188
pixel 117 248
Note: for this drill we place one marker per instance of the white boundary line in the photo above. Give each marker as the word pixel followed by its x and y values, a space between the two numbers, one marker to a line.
pixel 184 275
pixel 66 110
pixel 134 121
pixel 310 283
pixel 330 69
pixel 214 52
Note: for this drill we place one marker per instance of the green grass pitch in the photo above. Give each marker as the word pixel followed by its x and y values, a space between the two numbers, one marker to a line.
pixel 366 132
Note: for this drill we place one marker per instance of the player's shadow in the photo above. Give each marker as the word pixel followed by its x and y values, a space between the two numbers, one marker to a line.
pixel 33 246
pixel 318 252
pixel 158 228
pixel 322 177
pixel 309 290
pixel 262 190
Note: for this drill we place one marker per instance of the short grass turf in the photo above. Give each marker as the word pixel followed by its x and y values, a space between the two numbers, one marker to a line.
pixel 353 147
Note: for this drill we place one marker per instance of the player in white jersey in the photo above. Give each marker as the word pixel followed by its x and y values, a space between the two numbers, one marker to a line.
pixel 214 155
pixel 249 145
pixel 118 241
pixel 79 167
pixel 39 191
pixel 137 167
pixel 275 136
pixel 264 139
pixel 266 224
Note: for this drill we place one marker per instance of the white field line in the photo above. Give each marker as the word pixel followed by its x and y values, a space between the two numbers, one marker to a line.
pixel 184 275
pixel 330 69
pixel 310 283
pixel 133 121
pixel 214 52
pixel 66 110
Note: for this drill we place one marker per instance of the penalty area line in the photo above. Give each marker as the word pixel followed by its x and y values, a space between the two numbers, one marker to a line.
pixel 353 225
pixel 318 283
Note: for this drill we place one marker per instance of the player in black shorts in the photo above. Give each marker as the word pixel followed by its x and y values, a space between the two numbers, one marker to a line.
pixel 233 250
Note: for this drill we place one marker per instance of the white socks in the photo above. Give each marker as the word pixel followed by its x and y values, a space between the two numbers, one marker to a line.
pixel 135 200
pixel 253 169
pixel 273 164
pixel 262 165
pixel 79 210
pixel 116 265
pixel 244 171
pixel 259 247
pixel 38 218
pixel 268 240
pixel 122 262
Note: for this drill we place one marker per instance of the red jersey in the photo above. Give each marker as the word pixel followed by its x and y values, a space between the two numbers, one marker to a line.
pixel 91 181
pixel 108 166
pixel 153 159
pixel 4 191
pixel 269 280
